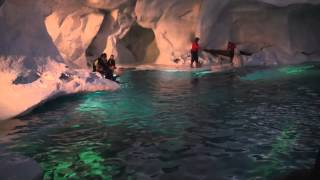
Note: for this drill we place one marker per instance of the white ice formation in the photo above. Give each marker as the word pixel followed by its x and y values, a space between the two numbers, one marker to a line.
pixel 73 32
pixel 146 31
pixel 21 92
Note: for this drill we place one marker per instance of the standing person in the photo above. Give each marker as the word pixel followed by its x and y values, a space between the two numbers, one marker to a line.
pixel 195 52
pixel 231 48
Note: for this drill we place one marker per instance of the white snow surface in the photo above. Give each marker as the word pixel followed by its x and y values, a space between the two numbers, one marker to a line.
pixel 16 99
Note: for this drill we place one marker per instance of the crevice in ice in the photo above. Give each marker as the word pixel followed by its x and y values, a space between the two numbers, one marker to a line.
pixel 99 42
pixel 26 77
pixel 141 44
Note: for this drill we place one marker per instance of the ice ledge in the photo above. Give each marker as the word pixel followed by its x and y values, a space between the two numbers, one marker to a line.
pixel 54 80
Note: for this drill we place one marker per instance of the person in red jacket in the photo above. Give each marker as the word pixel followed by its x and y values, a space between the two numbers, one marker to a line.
pixel 231 47
pixel 195 52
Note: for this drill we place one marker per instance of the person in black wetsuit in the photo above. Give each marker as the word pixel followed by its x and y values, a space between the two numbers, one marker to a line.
pixel 112 63
pixel 100 65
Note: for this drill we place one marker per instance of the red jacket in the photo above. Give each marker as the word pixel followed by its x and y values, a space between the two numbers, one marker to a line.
pixel 195 47
pixel 231 46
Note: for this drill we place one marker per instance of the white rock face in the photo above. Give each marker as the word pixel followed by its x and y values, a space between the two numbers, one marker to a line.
pixel 254 25
pixel 106 4
pixel 75 32
pixel 72 30
pixel 174 24
pixel 36 38
pixel 289 2
pixel 23 33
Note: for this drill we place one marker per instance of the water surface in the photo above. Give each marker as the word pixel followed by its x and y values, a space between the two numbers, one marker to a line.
pixel 252 124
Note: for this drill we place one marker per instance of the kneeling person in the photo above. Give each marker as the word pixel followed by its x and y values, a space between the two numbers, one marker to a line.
pixel 99 65
pixel 112 63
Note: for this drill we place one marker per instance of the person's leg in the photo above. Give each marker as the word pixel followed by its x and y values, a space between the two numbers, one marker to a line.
pixel 192 59
pixel 197 60
pixel 108 74
pixel 231 57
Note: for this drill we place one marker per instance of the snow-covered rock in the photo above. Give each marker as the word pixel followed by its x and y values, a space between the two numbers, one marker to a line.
pixel 289 2
pixel 23 32
pixel 106 4
pixel 174 24
pixel 39 39
pixel 288 26
pixel 72 28
pixel 51 80
pixel 272 57
pixel 76 32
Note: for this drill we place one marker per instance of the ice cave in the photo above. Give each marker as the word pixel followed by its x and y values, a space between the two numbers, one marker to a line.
pixel 159 89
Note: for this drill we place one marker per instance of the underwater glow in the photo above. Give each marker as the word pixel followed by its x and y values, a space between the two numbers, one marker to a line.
pixel 285 72
pixel 282 144
pixel 295 70
pixel 94 161
pixel 202 73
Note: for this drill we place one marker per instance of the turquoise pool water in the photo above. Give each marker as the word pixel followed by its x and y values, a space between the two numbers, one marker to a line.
pixel 251 124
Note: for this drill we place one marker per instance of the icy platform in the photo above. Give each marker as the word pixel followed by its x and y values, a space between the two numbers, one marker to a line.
pixel 22 91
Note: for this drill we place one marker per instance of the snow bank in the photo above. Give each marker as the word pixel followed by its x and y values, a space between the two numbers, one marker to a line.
pixel 272 57
pixel 23 90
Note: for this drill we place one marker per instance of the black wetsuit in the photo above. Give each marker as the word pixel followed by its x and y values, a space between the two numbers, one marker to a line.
pixel 194 57
pixel 111 63
pixel 103 68
pixel 111 66
pixel 108 74
pixel 101 63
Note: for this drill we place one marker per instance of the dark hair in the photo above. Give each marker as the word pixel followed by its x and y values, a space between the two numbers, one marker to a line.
pixel 103 55
pixel 196 39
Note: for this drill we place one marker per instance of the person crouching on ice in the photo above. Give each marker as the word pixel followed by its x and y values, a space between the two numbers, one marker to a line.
pixel 112 63
pixel 195 52
pixel 112 67
pixel 99 65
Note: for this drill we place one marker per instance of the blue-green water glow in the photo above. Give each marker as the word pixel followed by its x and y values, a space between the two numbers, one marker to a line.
pixel 250 124
pixel 284 72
